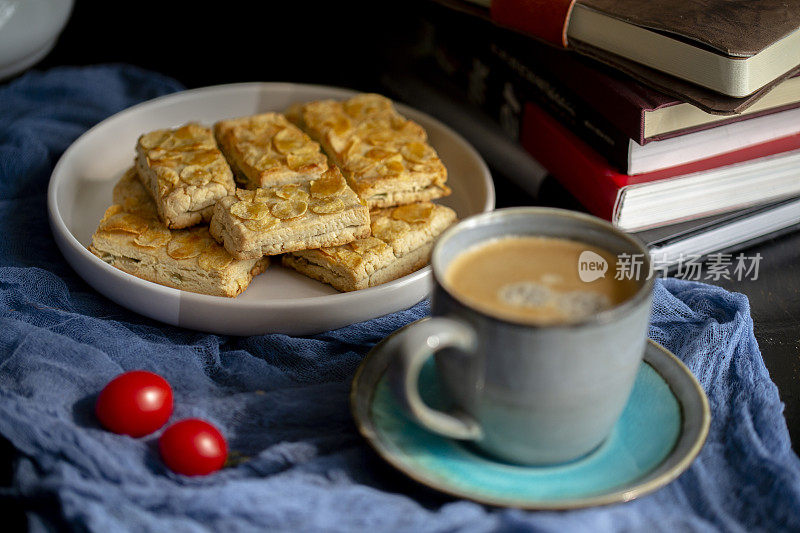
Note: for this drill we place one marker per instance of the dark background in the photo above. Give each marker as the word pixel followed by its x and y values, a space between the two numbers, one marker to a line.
pixel 355 44
pixel 208 43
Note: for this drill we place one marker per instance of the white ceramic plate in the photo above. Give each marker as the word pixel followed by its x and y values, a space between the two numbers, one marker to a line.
pixel 278 301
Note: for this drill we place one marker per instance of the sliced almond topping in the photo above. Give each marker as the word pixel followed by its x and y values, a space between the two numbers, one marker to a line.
pixel 286 209
pixel 412 213
pixel 264 224
pixel 215 258
pixel 152 140
pixel 380 137
pixel 301 194
pixel 298 161
pixel 360 164
pixel 366 104
pixel 339 124
pixel 391 167
pixel 112 210
pixel 408 129
pixel 268 130
pixel 257 135
pixel 262 144
pixel 325 206
pixel 430 167
pixel 353 108
pixel 266 161
pixel 163 158
pixel 354 149
pixel 157 154
pixel 307 148
pixel 332 183
pixel 379 154
pixel 204 158
pixel 242 134
pixel 135 204
pixel 387 229
pixel 185 245
pixel 167 175
pixel 153 237
pixel 375 125
pixel 125 222
pixel 348 258
pixel 194 145
pixel 287 191
pixel 417 152
pixel 252 157
pixel 337 143
pixel 187 132
pixel 246 195
pixel 223 178
pixel 361 246
pixel 249 210
pixel 288 140
pixel 247 148
pixel 398 122
pixel 262 196
pixel 195 175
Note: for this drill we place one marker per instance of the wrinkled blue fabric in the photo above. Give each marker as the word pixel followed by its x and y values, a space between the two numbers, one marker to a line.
pixel 282 401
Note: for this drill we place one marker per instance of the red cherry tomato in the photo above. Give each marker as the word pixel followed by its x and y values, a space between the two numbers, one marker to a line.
pixel 135 403
pixel 193 447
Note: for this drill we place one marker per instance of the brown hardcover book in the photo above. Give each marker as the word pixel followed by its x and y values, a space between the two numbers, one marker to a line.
pixel 729 46
pixel 732 27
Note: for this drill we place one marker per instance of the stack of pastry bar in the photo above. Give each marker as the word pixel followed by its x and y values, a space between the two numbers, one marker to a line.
pixel 297 201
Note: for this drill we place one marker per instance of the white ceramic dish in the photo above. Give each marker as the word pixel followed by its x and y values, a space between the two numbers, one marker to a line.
pixel 28 31
pixel 278 301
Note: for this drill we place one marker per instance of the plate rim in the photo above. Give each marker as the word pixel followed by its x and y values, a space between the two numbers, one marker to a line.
pixel 65 237
pixel 632 491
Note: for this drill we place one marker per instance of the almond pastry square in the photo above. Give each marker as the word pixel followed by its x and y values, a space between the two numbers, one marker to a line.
pixel 385 157
pixel 185 173
pixel 131 238
pixel 401 242
pixel 267 150
pixel 274 220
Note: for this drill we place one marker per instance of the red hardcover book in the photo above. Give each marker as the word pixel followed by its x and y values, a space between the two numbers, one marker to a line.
pixel 601 189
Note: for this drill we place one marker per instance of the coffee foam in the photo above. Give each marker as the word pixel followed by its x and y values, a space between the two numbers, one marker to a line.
pixel 574 305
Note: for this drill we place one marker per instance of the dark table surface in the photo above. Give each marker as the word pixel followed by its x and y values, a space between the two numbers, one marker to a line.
pixel 353 44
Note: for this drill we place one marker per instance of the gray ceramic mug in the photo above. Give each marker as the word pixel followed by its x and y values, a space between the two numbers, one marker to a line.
pixel 523 393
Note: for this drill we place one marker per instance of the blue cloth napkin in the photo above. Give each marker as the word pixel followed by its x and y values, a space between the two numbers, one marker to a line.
pixel 282 401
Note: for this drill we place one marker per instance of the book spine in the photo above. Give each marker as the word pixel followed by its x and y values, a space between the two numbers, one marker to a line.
pixel 501 84
pixel 544 19
pixel 580 171
pixel 565 106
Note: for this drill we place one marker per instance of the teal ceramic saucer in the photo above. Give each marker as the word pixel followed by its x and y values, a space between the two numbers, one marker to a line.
pixel 661 431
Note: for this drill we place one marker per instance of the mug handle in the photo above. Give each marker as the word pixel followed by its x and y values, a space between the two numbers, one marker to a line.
pixel 417 344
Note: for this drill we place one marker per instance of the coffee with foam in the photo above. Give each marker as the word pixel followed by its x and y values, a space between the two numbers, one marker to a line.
pixel 536 280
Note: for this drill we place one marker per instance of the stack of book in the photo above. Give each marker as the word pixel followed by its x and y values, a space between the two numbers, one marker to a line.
pixel 669 124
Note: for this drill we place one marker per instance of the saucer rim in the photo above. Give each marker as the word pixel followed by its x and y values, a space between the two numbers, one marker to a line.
pixel 646 484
